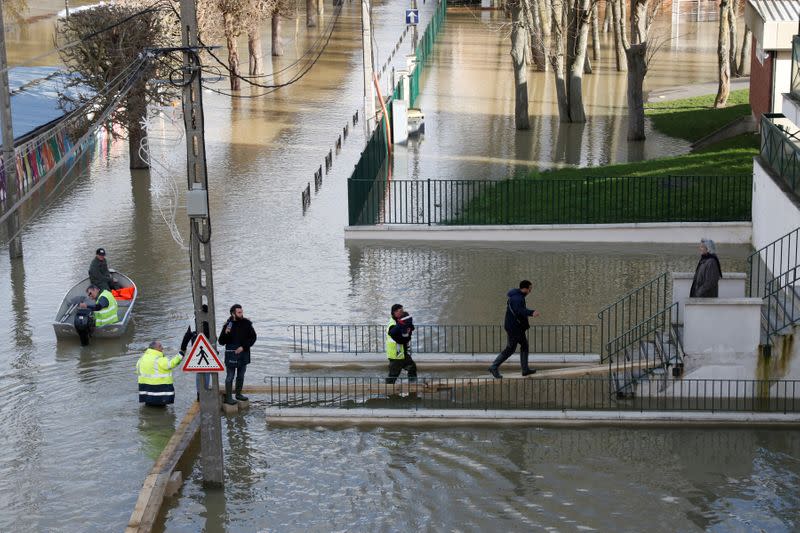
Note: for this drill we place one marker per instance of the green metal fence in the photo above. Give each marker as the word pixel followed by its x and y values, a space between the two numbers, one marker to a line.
pixel 780 150
pixel 600 200
pixel 370 168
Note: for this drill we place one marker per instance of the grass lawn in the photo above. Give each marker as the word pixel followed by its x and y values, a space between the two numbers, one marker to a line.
pixel 693 118
pixel 716 186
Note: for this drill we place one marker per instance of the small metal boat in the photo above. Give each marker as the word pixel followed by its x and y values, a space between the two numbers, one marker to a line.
pixel 64 324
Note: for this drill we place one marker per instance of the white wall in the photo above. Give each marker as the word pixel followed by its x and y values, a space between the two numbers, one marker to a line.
pixel 730 286
pixel 774 214
pixel 722 325
pixel 782 72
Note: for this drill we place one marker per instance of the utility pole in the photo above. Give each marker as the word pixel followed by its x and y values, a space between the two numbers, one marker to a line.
pixel 414 30
pixel 9 160
pixel 366 41
pixel 200 242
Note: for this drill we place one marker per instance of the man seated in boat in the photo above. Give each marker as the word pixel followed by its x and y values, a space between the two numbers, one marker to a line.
pixel 99 274
pixel 104 307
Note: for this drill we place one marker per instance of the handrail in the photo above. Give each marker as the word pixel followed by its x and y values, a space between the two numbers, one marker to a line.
pixel 441 338
pixel 782 309
pixel 634 337
pixel 779 150
pixel 772 261
pixel 650 298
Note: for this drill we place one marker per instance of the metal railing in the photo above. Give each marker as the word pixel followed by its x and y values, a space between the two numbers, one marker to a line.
pixel 431 339
pixel 596 200
pixel 783 303
pixel 648 347
pixel 780 150
pixel 632 309
pixel 794 87
pixel 772 275
pixel 579 394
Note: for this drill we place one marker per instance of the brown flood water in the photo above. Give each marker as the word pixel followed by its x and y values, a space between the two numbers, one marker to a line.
pixel 77 445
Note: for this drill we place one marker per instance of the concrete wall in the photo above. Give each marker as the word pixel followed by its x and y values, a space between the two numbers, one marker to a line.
pixel 667 232
pixel 730 286
pixel 714 325
pixel 775 213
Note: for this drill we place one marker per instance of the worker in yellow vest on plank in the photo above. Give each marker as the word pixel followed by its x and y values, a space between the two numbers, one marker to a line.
pixel 104 307
pixel 155 373
pixel 398 339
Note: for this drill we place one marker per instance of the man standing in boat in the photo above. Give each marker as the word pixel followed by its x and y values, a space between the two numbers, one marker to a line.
pixel 104 307
pixel 99 274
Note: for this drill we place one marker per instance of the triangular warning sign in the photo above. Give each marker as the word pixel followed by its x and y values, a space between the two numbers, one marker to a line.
pixel 202 357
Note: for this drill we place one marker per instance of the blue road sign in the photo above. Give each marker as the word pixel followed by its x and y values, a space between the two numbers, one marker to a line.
pixel 412 17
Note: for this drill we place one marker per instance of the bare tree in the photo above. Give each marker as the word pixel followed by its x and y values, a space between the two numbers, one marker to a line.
pixel 638 55
pixel 571 20
pixel 281 9
pixel 723 55
pixel 311 13
pixel 620 38
pixel 102 59
pixel 520 43
pixel 746 54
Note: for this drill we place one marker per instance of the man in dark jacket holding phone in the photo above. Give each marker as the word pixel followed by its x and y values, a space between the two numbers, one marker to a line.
pixel 238 336
pixel 516 324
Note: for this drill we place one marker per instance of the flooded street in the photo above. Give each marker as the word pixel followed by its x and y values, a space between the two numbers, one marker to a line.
pixel 76 445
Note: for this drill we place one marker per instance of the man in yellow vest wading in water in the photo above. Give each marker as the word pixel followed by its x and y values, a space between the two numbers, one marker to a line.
pixel 155 373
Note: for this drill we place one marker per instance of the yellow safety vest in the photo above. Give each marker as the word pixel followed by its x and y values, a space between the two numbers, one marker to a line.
pixel 106 315
pixel 392 351
pixel 155 369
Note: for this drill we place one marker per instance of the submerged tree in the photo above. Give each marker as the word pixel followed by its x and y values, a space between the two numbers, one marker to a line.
pixel 519 52
pixel 99 61
pixel 571 20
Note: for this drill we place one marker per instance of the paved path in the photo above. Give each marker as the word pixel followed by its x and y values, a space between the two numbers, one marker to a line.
pixel 698 89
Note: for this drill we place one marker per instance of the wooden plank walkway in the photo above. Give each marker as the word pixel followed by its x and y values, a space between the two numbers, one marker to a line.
pixel 155 484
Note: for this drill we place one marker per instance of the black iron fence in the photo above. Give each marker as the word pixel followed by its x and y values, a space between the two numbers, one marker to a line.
pixel 596 200
pixel 580 394
pixel 461 339
pixel 632 309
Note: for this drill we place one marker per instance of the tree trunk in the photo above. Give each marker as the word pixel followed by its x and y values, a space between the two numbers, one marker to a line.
pixel 734 45
pixel 636 56
pixel 254 51
pixel 723 56
pixel 535 29
pixel 595 33
pixel 638 21
pixel 607 17
pixel 745 57
pixel 577 43
pixel 233 51
pixel 277 44
pixel 519 44
pixel 557 59
pixel 137 130
pixel 311 13
pixel 617 20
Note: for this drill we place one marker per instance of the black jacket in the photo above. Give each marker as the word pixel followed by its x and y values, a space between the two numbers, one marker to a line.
pixel 242 335
pixel 706 277
pixel 401 331
pixel 100 275
pixel 516 312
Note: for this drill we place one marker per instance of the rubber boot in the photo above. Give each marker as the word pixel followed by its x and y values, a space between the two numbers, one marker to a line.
pixel 239 385
pixel 228 398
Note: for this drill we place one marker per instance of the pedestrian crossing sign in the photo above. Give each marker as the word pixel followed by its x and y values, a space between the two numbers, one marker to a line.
pixel 202 357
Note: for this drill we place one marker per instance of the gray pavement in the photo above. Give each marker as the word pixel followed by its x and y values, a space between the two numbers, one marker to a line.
pixel 697 89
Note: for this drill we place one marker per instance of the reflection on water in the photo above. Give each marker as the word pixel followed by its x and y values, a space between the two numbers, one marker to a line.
pixel 478 479
pixel 73 431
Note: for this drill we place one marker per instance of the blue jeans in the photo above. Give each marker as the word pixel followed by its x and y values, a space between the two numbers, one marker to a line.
pixel 514 338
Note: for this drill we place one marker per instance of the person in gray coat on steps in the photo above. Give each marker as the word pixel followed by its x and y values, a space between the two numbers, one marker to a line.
pixel 708 272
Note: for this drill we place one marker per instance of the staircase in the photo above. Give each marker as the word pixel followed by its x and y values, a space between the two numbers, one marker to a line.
pixel 774 273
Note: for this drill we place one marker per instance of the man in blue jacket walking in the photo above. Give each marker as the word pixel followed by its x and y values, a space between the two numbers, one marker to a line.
pixel 516 324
